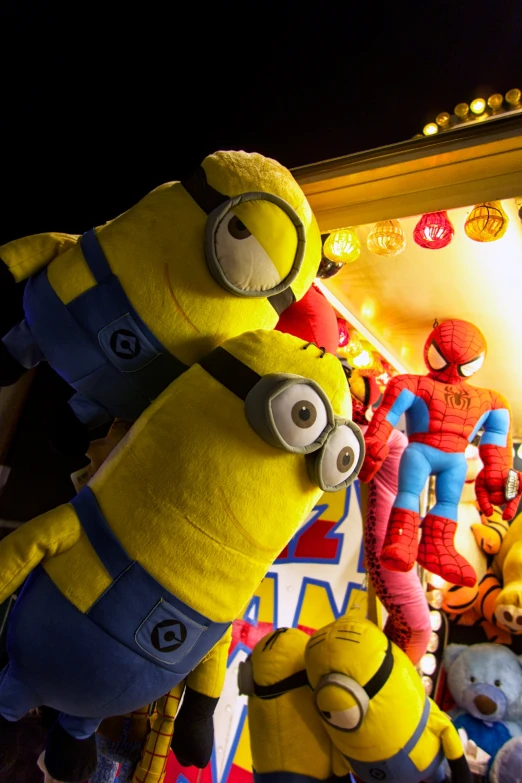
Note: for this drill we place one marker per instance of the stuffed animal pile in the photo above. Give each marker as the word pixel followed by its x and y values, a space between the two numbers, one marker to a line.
pixel 105 622
pixel 121 311
pixel 344 700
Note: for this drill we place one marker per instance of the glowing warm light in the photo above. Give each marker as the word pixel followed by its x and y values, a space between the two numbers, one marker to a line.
pixel 436 581
pixel 461 110
pixel 433 231
pixel 513 97
pixel 486 222
pixel 428 685
pixel 443 119
pixel 343 246
pixel 363 360
pixel 433 643
pixel 428 663
pixel 495 101
pixel 435 620
pixel 368 309
pixel 404 350
pixel 519 451
pixel 478 105
pixel 386 238
pixel 435 599
pixel 430 129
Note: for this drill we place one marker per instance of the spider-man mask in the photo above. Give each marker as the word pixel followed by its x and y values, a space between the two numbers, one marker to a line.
pixel 454 351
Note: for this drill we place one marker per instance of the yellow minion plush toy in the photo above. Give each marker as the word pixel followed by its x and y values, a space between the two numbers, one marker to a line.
pixel 373 705
pixel 137 580
pixel 121 311
pixel 287 735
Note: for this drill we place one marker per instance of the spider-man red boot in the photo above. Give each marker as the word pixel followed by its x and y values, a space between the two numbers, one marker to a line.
pixel 399 551
pixel 438 555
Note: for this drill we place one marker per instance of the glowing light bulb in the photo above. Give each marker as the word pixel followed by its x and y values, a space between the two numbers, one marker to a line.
pixel 428 685
pixel 433 643
pixel 435 621
pixel 428 663
pixel 486 222
pixel 430 129
pixel 478 105
pixel 364 359
pixel 495 101
pixel 519 451
pixel 436 580
pixel 461 110
pixel 435 599
pixel 443 119
pixel 513 97
pixel 343 246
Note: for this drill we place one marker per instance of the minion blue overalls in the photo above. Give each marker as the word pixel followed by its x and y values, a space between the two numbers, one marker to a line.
pixel 134 644
pixel 400 768
pixel 97 343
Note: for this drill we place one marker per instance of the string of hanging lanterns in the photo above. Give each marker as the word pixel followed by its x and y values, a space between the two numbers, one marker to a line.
pixel 486 222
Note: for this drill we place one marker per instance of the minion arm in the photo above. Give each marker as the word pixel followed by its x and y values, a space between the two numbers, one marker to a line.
pixel 34 542
pixel 194 728
pixel 451 745
pixel 26 256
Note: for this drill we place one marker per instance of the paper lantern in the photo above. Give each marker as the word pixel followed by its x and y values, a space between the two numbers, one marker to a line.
pixel 342 246
pixel 386 238
pixel 434 231
pixel 344 334
pixel 486 222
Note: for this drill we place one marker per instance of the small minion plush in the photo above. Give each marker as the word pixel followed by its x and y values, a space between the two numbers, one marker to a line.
pixel 373 705
pixel 121 311
pixel 136 581
pixel 287 736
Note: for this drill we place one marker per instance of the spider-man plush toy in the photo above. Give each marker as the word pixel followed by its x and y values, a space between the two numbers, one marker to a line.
pixel 443 414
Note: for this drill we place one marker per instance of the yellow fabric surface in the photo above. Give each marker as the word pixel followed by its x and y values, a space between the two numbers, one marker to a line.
pixel 157 250
pixel 209 676
pixel 393 713
pixel 508 567
pixel 192 492
pixel 286 733
pixel 28 255
pixel 39 540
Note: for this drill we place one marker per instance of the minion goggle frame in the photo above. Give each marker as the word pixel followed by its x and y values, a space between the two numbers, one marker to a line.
pixel 217 206
pixel 260 395
pixel 361 694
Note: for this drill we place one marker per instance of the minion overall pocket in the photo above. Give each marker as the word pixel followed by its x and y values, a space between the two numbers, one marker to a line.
pixel 98 343
pixel 137 610
pixel 133 645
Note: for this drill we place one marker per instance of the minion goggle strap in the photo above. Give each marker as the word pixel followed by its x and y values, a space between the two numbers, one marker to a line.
pixel 218 206
pixel 350 720
pixel 249 687
pixel 293 413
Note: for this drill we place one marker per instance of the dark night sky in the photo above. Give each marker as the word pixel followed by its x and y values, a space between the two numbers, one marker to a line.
pixel 95 113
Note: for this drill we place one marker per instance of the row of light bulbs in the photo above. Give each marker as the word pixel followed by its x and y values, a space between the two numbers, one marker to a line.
pixel 478 110
pixel 486 222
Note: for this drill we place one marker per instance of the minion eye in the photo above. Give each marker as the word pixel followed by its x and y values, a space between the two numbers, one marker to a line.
pixel 243 263
pixel 472 367
pixel 346 720
pixel 339 460
pixel 299 415
pixel 435 359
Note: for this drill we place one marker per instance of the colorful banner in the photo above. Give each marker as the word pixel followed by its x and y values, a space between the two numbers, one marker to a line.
pixel 318 577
